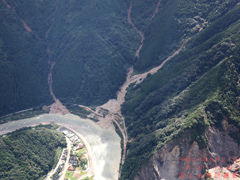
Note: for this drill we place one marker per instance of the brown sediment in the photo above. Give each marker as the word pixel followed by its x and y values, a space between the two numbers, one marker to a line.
pixel 21 19
pixel 26 26
pixel 134 26
pixel 57 107
pixel 7 4
pixel 114 105
pixel 156 10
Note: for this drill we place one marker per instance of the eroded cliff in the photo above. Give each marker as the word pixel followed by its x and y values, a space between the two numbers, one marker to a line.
pixel 182 158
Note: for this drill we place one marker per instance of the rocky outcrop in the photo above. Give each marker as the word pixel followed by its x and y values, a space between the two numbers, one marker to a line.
pixel 182 158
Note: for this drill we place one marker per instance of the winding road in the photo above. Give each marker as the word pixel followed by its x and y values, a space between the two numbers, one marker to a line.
pixel 59 163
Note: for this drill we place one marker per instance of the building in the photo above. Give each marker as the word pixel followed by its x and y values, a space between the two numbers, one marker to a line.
pixel 70 168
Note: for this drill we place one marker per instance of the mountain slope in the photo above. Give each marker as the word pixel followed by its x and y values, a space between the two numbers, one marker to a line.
pixel 174 22
pixel 195 90
pixel 30 153
pixel 23 65
pixel 94 52
pixel 87 47
pixel 91 44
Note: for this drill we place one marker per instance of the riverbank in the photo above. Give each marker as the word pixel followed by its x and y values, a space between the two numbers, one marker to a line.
pixel 104 143
pixel 90 171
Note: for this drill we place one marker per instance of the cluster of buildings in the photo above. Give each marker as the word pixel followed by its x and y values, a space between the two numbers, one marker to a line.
pixel 59 170
pixel 58 173
pixel 74 160
pixel 76 142
pixel 64 156
pixel 72 136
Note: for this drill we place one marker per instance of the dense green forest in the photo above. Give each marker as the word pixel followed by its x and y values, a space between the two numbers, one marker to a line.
pixel 23 66
pixel 96 47
pixel 197 88
pixel 93 44
pixel 29 153
pixel 176 21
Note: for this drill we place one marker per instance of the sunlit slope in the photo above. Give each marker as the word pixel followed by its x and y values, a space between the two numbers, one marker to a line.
pixel 201 82
pixel 30 153
pixel 175 21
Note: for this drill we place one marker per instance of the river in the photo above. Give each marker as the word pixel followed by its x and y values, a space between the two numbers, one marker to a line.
pixel 105 143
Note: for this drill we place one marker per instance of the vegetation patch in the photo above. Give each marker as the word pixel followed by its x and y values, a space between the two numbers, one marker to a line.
pixel 69 175
pixel 29 153
pixel 196 89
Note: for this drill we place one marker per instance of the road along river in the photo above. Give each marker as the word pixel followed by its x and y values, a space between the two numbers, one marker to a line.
pixel 105 143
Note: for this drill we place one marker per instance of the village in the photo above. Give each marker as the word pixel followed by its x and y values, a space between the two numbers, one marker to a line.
pixel 74 159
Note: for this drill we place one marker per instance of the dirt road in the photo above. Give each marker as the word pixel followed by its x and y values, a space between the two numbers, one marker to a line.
pixel 88 149
pixel 60 162
pixel 67 160
pixel 114 105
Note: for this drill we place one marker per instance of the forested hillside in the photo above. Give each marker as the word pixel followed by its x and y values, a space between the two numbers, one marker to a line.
pixel 196 89
pixel 91 44
pixel 23 66
pixel 29 153
pixel 175 22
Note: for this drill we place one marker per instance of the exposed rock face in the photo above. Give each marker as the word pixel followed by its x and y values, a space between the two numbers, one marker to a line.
pixel 182 158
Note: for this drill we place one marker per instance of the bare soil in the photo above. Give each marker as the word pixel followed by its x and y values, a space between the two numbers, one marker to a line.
pixel 113 105
pixel 140 32
pixel 21 19
pixel 57 107
pixel 156 10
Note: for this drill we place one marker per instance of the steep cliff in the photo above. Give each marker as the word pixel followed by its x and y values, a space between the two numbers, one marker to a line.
pixel 87 47
pixel 182 158
pixel 196 89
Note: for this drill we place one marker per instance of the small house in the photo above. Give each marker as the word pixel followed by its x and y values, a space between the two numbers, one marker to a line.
pixel 70 168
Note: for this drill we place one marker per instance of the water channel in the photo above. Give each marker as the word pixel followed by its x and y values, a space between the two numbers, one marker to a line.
pixel 105 143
